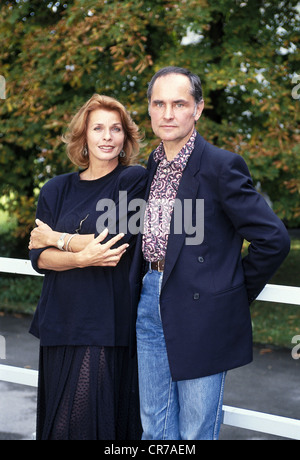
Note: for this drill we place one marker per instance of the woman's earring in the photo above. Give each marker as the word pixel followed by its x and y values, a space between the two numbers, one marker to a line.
pixel 85 152
pixel 122 154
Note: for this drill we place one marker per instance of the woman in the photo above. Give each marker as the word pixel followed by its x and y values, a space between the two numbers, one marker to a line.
pixel 87 381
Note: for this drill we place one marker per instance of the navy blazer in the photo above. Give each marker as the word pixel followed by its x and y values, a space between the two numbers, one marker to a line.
pixel 207 288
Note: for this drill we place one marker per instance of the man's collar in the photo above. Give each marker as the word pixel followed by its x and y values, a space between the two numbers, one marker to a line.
pixel 181 159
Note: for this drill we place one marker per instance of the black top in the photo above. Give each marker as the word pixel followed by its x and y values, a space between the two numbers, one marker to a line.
pixel 89 306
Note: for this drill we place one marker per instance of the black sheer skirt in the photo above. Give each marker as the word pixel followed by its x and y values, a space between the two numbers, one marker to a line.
pixel 88 393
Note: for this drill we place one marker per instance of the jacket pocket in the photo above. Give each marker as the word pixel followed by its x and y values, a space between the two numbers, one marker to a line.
pixel 231 289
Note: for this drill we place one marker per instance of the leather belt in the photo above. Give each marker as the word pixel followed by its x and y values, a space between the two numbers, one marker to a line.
pixel 159 265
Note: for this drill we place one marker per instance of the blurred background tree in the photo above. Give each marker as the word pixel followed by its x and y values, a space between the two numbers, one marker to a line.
pixel 55 55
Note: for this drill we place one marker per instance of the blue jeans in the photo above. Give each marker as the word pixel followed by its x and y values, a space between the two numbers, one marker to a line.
pixel 184 410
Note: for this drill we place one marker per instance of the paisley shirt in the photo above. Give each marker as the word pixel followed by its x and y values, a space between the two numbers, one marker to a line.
pixel 161 200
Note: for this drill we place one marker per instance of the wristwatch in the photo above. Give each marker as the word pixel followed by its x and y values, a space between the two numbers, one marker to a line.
pixel 61 242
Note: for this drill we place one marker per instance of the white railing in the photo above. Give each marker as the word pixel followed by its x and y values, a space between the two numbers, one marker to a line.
pixel 17 267
pixel 233 416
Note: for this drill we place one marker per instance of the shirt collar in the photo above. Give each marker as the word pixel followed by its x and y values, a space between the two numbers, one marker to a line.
pixel 181 159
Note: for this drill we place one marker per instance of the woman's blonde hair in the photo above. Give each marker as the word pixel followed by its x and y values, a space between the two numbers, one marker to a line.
pixel 75 138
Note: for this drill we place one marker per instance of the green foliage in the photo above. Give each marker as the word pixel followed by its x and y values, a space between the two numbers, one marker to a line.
pixel 8 242
pixel 54 56
pixel 17 293
pixel 20 294
pixel 274 323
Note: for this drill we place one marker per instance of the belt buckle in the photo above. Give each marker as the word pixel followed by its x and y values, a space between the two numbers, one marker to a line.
pixel 158 266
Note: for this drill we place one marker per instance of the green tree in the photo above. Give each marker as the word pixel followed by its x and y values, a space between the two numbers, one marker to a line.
pixel 55 55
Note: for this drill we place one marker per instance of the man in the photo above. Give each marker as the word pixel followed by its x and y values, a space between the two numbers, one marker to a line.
pixel 193 320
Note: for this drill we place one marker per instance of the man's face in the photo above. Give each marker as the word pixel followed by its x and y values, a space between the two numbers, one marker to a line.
pixel 173 110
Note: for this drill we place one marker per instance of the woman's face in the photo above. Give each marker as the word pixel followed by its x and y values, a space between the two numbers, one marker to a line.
pixel 105 136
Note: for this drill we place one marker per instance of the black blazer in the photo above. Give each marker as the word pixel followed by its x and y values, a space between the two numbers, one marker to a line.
pixel 207 288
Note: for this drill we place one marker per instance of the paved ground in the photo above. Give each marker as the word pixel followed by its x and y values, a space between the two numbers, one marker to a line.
pixel 270 384
pixel 17 402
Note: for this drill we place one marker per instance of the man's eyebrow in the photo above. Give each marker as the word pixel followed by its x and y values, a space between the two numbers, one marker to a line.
pixel 179 101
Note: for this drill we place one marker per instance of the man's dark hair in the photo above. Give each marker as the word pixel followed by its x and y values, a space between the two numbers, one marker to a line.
pixel 196 88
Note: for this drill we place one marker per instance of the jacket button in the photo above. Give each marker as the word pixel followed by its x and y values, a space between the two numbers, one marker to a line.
pixel 196 296
pixel 201 259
